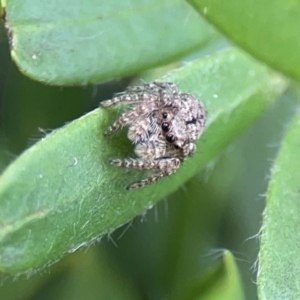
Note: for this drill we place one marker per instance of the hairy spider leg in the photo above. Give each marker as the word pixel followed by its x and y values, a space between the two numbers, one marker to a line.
pixel 131 116
pixel 128 99
pixel 164 166
pixel 155 87
pixel 169 86
pixel 151 149
pixel 145 88
pixel 149 103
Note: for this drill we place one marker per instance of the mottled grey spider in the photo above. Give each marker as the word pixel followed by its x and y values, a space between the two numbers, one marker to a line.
pixel 163 124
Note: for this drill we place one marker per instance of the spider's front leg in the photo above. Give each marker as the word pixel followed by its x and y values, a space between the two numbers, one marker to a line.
pixel 131 116
pixel 163 166
pixel 169 86
pixel 188 150
pixel 153 149
pixel 128 99
pixel 159 89
pixel 145 88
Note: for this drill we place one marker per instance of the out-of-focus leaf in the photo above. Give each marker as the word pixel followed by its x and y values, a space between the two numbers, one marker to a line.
pixel 86 275
pixel 191 229
pixel 30 107
pixel 89 275
pixel 268 29
pixel 4 156
pixel 279 260
pixel 26 288
pixel 221 283
pixel 62 194
pixel 87 41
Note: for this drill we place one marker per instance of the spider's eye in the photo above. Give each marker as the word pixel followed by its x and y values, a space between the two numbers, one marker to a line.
pixel 165 126
pixel 170 138
pixel 165 115
pixel 176 146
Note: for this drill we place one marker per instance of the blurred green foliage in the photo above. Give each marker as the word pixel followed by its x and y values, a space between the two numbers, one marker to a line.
pixel 177 249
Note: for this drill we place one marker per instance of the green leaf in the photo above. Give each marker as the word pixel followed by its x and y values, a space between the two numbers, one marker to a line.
pixel 26 288
pixel 221 283
pixel 62 194
pixel 88 274
pixel 192 226
pixel 92 275
pixel 268 29
pixel 80 41
pixel 279 260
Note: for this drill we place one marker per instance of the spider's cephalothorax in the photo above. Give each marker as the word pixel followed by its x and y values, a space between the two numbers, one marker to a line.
pixel 163 124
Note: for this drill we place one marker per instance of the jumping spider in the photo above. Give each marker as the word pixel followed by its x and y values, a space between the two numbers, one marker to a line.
pixel 163 124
